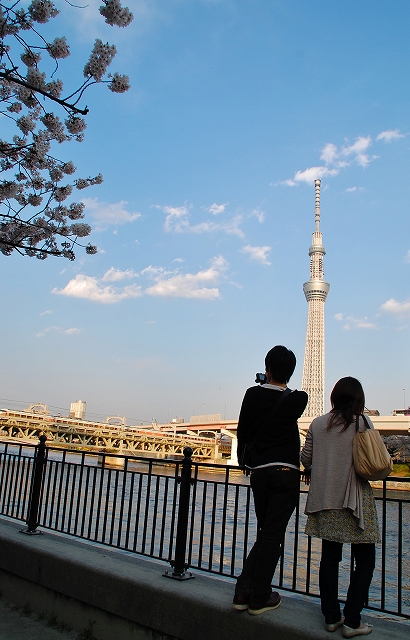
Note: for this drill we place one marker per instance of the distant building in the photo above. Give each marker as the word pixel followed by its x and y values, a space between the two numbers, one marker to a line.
pixel 401 412
pixel 371 412
pixel 208 417
pixel 77 409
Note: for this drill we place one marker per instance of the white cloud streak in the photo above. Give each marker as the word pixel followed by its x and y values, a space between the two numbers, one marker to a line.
pixel 190 285
pixel 106 214
pixel 167 283
pixel 395 308
pixel 90 288
pixel 350 322
pixel 258 214
pixel 216 208
pixel 68 332
pixel 258 254
pixel 336 159
pixel 177 220
pixel 115 275
pixel 390 134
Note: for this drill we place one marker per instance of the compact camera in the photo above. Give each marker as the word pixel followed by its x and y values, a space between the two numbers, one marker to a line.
pixel 261 378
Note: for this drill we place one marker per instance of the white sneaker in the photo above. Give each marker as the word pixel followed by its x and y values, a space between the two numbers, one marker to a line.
pixel 334 625
pixel 363 630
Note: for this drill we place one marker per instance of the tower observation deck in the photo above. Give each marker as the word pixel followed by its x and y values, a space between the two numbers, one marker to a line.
pixel 315 290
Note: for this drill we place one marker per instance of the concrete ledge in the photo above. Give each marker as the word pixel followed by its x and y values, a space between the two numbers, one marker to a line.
pixel 128 598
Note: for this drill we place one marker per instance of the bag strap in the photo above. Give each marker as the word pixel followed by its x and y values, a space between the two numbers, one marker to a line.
pixel 366 423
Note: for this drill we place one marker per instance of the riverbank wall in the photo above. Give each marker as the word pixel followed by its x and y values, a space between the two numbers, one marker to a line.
pixel 107 594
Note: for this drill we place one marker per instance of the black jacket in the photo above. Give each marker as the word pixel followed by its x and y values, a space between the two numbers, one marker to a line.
pixel 275 434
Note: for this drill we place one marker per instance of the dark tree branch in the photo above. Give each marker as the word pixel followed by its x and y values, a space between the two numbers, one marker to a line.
pixel 7 76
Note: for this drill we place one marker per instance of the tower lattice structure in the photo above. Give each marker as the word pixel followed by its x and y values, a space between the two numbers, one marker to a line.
pixel 315 290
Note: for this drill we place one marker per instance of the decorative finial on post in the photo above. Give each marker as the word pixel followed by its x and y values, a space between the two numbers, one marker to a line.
pixel 178 564
pixel 317 203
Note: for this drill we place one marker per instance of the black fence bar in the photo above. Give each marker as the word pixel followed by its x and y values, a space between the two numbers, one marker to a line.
pixel 36 487
pixel 179 566
pixel 140 505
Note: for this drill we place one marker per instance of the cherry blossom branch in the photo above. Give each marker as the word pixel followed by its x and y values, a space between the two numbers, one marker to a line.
pixel 7 76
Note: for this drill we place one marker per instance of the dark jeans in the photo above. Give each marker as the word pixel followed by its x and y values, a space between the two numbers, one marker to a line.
pixel 275 493
pixel 364 555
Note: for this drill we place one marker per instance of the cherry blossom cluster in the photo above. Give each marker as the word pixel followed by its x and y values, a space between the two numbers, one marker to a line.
pixel 100 58
pixel 37 216
pixel 42 10
pixel 115 14
pixel 58 48
pixel 119 84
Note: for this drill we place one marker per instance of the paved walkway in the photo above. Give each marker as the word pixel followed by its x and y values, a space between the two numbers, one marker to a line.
pixel 21 624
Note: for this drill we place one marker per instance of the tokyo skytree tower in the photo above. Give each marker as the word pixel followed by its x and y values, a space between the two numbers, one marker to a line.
pixel 315 290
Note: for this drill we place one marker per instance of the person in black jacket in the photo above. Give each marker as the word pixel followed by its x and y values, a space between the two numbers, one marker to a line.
pixel 269 448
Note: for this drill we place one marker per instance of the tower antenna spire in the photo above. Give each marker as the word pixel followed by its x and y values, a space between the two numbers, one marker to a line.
pixel 315 290
pixel 317 202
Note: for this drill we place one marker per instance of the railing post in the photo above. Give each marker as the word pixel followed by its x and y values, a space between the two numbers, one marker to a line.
pixel 178 564
pixel 36 485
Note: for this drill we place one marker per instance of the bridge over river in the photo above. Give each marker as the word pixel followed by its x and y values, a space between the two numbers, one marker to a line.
pixel 26 426
pixel 210 439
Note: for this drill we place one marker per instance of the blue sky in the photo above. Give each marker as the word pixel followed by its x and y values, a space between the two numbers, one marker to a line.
pixel 205 216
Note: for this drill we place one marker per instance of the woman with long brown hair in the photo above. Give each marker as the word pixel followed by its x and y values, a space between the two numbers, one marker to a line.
pixel 340 507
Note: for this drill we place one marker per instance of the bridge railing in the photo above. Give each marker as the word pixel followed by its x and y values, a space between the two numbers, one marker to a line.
pixel 135 504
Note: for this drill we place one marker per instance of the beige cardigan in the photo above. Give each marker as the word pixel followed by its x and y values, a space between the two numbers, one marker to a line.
pixel 334 483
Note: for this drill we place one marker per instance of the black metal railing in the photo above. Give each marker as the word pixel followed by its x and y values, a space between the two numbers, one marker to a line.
pixel 189 514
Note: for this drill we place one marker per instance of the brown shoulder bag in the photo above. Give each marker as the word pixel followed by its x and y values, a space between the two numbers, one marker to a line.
pixel 370 457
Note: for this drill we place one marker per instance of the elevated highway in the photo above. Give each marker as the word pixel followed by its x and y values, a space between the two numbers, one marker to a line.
pixel 96 436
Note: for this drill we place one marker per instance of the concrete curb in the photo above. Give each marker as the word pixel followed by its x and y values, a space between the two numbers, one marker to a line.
pixel 127 596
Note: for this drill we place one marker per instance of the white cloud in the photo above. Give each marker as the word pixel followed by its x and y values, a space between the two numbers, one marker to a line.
pixel 351 189
pixel 364 324
pixel 407 258
pixel 390 134
pixel 177 220
pixel 68 332
pixel 115 275
pixel 46 313
pixel 178 260
pixel 399 309
pixel 232 227
pixel 90 288
pixel 190 285
pixel 354 323
pixel 216 208
pixel 258 214
pixel 329 153
pixel 335 159
pixel 166 284
pixel 312 174
pixel 259 254
pixel 105 213
pixel 358 149
pixel 155 272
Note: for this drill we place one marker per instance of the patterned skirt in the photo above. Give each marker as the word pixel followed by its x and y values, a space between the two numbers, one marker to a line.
pixel 340 525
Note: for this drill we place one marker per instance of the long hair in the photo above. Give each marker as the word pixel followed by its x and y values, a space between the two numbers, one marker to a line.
pixel 347 400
